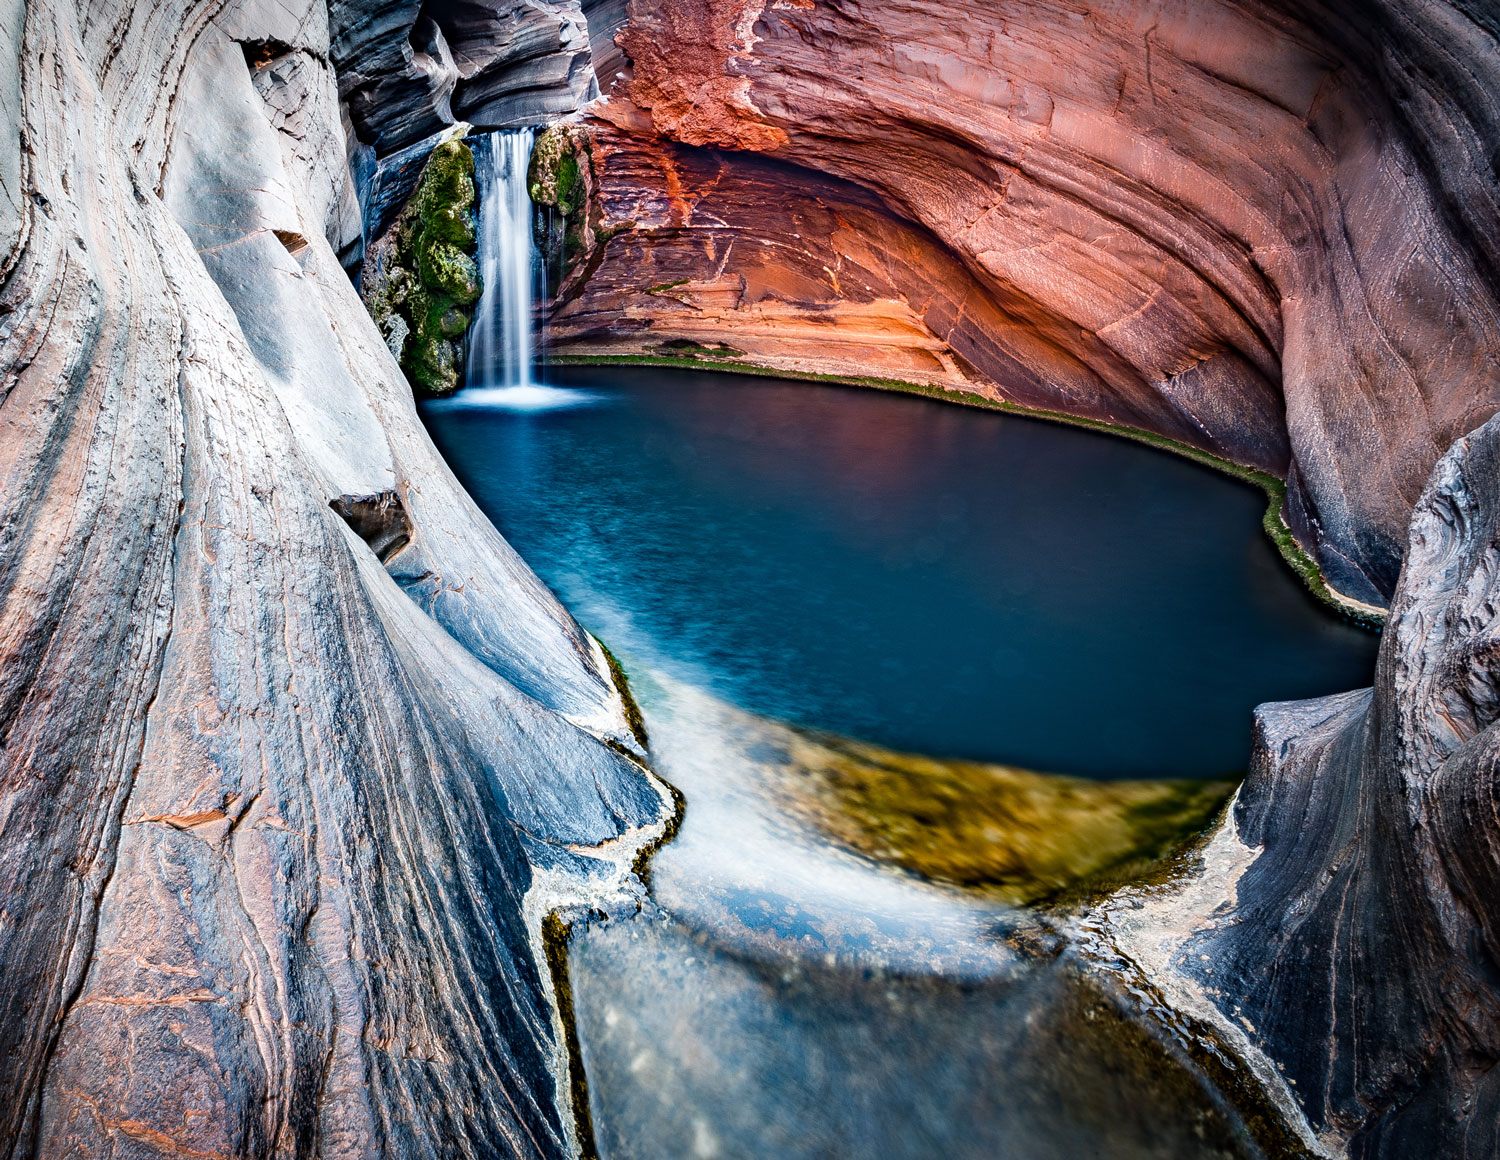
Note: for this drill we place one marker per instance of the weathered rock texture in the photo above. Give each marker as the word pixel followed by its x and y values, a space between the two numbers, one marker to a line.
pixel 407 68
pixel 1267 230
pixel 419 280
pixel 1358 947
pixel 283 721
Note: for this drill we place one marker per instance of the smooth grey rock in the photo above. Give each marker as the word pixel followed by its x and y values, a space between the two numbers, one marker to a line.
pixel 263 815
pixel 1356 945
pixel 406 70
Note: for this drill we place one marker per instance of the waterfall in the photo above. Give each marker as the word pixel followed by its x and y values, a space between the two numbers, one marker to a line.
pixel 501 340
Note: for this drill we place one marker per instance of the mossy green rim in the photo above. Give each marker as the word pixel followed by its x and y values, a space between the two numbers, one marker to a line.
pixel 1296 557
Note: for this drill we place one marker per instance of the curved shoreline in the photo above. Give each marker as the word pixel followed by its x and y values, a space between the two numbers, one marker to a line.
pixel 1296 557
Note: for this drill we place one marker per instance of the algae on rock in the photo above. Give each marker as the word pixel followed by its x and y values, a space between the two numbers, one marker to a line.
pixel 420 277
pixel 561 179
pixel 1023 837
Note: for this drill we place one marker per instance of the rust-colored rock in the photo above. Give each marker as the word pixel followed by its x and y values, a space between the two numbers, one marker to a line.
pixel 1232 224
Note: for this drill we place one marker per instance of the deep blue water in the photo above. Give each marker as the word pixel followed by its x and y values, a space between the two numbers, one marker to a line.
pixel 931 577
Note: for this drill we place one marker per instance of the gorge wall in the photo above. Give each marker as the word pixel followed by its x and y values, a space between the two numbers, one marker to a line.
pixel 1265 231
pixel 292 744
pixel 290 739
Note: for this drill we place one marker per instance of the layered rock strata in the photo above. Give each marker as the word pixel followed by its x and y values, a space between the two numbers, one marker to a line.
pixel 407 68
pixel 285 726
pixel 1350 933
pixel 1257 231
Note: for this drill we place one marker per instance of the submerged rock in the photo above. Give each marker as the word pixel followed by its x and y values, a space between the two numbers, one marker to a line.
pixel 1026 838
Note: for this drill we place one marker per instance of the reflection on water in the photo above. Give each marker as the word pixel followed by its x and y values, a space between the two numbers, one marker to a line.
pixel 527 397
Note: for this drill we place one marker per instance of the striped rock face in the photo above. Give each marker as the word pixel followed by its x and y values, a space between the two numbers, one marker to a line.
pixel 284 724
pixel 1265 230
pixel 294 750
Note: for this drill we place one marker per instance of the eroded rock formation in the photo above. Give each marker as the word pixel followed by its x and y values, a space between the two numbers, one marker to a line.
pixel 1356 944
pixel 293 747
pixel 284 724
pixel 1260 231
pixel 407 68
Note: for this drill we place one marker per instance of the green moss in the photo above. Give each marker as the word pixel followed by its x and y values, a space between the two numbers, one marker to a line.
pixel 425 276
pixel 1291 551
pixel 632 710
pixel 1026 838
pixel 555 935
pixel 663 287
pixel 569 184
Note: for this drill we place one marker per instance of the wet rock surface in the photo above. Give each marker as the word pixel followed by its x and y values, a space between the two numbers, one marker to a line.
pixel 1357 946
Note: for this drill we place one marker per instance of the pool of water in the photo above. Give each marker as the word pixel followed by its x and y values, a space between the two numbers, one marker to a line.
pixel 934 578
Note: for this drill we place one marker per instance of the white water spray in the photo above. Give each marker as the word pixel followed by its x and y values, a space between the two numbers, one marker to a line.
pixel 501 339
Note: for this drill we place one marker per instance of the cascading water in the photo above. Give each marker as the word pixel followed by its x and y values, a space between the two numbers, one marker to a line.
pixel 501 339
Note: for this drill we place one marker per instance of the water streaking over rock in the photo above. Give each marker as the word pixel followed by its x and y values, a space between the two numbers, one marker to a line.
pixel 502 340
pixel 782 997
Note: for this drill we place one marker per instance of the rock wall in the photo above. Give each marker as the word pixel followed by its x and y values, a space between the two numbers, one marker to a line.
pixel 408 68
pixel 1355 941
pixel 1260 231
pixel 285 726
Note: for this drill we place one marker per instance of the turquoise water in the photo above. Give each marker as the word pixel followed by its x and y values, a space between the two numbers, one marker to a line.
pixel 935 578
pixel 938 579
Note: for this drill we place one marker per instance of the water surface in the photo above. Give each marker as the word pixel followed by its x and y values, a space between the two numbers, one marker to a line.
pixel 934 578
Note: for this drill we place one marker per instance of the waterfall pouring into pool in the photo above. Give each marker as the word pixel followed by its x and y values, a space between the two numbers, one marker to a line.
pixel 502 341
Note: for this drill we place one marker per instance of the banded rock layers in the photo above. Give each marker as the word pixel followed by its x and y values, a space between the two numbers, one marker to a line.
pixel 1230 224
pixel 285 726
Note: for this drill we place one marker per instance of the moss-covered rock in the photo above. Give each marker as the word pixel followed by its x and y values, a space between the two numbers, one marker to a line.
pixel 420 277
pixel 1026 838
pixel 561 180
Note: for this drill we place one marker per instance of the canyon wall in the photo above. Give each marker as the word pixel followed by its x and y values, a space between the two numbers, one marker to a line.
pixel 1266 232
pixel 290 739
pixel 292 744
pixel 1352 938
